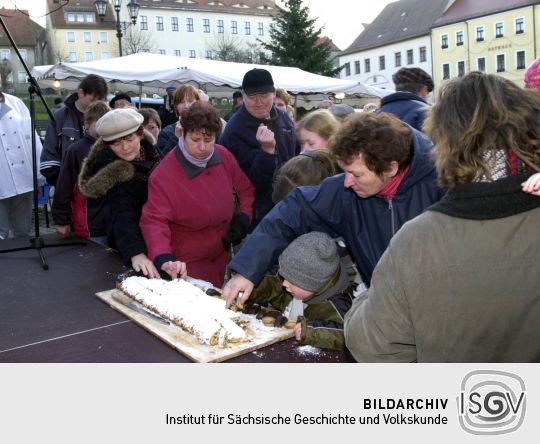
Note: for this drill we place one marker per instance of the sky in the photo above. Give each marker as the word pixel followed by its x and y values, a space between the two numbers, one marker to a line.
pixel 342 19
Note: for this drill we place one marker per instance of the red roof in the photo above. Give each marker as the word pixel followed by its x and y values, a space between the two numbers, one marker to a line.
pixel 23 30
pixel 323 39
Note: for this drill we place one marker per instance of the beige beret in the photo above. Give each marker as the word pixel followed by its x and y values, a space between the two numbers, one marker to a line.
pixel 118 123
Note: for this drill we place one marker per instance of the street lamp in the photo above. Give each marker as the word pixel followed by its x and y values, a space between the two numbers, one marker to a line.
pixel 133 8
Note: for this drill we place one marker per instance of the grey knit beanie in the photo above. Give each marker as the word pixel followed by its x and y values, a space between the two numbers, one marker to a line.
pixel 309 261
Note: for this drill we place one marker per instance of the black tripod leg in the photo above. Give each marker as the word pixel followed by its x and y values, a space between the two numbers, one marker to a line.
pixel 38 244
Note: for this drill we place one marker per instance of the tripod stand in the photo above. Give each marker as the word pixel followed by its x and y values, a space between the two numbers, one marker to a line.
pixel 36 243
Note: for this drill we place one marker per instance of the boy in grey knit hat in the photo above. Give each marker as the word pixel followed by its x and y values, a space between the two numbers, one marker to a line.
pixel 312 289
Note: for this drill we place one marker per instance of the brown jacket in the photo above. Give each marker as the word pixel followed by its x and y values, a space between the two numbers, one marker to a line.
pixel 459 283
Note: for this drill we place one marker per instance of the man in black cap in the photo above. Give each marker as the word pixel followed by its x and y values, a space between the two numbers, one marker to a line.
pixel 261 137
pixel 409 103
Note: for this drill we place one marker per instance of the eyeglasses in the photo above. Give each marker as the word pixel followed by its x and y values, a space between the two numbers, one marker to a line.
pixel 129 138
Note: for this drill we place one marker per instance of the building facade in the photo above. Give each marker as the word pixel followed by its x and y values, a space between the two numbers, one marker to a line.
pixel 200 28
pixel 398 37
pixel 76 34
pixel 501 38
pixel 31 42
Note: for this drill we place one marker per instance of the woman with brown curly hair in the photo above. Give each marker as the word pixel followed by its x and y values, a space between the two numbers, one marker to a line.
pixel 190 207
pixel 460 282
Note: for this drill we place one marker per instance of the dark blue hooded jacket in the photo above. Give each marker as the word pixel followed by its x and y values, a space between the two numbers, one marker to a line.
pixel 365 224
pixel 406 106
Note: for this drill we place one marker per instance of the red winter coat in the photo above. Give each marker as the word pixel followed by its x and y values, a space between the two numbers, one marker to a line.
pixel 189 210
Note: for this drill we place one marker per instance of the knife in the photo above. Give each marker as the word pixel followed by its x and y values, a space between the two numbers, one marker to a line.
pixel 140 310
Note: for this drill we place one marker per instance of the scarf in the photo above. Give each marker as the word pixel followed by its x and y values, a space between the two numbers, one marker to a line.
pixel 389 189
pixel 201 163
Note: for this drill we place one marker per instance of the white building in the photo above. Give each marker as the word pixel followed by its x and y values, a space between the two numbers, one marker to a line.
pixel 196 28
pixel 400 36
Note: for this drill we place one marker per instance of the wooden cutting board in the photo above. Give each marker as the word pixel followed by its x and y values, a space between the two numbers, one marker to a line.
pixel 260 335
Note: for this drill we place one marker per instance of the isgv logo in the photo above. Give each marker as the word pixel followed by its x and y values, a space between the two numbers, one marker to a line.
pixel 491 402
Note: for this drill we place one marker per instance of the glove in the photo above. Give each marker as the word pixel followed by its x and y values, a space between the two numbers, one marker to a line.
pixel 237 231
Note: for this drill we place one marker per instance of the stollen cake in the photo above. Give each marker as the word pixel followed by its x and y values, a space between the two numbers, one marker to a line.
pixel 188 307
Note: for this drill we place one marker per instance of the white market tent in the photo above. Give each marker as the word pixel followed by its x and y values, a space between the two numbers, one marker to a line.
pixel 155 72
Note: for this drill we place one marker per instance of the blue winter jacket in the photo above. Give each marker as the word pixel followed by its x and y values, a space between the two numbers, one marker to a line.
pixel 365 224
pixel 239 138
pixel 406 106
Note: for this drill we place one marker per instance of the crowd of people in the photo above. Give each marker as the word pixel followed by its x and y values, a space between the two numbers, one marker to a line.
pixel 401 233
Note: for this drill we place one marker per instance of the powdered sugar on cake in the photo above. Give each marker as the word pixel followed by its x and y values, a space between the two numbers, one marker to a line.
pixel 188 307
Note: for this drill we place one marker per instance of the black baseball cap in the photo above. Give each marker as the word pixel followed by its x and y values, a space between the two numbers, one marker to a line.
pixel 257 81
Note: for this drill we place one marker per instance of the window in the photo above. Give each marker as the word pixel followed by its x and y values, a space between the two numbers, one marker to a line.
pixel 234 27
pixel 520 60
pixel 189 24
pixel 410 57
pixel 71 18
pixel 143 20
pixel 247 28
pixel 159 23
pixel 104 55
pixel 367 65
pixel 22 77
pixel 347 69
pixel 87 36
pixel 89 18
pixel 206 25
pixel 24 54
pixel 103 37
pixel 397 59
pixel 88 56
pixel 260 28
pixel 459 38
pixel 209 54
pixel 479 33
pixel 446 71
pixel 177 53
pixel 501 65
pixel 519 25
pixel 382 63
pixel 444 41
pixel 192 53
pixel 71 37
pixel 80 18
pixel 423 53
pixel 499 30
pixel 481 64
pixel 72 56
pixel 220 27
pixel 461 68
pixel 174 24
pixel 5 54
pixel 161 51
pixel 357 67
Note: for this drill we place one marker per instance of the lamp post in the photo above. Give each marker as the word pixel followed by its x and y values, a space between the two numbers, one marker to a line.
pixel 133 8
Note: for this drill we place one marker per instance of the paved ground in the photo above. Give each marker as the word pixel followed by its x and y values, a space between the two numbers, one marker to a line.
pixel 43 229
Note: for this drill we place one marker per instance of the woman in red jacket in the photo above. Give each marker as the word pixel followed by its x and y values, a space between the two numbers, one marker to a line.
pixel 190 207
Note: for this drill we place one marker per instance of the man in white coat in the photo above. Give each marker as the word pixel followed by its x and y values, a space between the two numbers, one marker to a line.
pixel 16 183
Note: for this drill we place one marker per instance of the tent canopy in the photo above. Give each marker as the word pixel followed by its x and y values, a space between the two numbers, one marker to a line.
pixel 156 72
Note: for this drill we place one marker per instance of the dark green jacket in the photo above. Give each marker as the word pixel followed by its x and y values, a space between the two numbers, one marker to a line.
pixel 322 323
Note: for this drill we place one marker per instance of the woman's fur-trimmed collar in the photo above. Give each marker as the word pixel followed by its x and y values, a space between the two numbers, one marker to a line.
pixel 96 184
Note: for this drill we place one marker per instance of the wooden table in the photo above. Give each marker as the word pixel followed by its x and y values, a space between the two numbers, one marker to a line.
pixel 54 316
